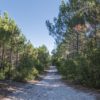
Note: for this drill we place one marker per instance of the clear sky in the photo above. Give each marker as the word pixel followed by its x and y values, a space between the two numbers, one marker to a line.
pixel 31 15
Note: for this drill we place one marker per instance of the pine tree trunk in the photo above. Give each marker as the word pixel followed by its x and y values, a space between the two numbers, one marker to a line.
pixel 10 67
pixel 77 42
pixel 2 55
pixel 17 55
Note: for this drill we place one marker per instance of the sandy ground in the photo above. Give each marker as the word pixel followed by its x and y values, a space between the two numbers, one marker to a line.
pixel 50 88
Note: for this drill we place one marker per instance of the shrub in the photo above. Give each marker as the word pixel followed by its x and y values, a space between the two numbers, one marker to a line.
pixel 25 70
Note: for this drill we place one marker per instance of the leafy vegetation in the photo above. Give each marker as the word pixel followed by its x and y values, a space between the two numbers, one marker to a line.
pixel 19 60
pixel 76 31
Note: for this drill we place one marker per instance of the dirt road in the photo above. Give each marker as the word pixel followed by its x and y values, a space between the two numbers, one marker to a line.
pixel 50 88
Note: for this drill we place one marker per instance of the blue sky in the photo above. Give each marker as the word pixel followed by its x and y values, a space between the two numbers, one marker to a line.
pixel 31 15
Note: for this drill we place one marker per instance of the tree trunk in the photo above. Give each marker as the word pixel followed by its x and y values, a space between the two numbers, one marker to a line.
pixel 10 67
pixel 17 56
pixel 2 55
pixel 77 42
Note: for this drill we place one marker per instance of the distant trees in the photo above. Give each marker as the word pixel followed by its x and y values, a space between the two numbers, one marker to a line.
pixel 43 58
pixel 76 31
pixel 19 60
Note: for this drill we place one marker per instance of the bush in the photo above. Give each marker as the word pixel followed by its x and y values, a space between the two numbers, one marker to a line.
pixel 25 74
pixel 67 68
pixel 5 72
pixel 26 70
pixel 2 76
pixel 84 69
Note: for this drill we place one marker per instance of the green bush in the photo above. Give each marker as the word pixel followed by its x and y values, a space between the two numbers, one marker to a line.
pixel 83 69
pixel 5 72
pixel 25 74
pixel 2 75
pixel 26 70
pixel 39 66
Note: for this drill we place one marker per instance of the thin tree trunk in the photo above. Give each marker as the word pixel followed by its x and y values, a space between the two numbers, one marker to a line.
pixel 2 55
pixel 17 58
pixel 10 67
pixel 77 42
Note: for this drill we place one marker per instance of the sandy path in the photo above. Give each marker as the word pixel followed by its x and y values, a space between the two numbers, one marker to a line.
pixel 50 88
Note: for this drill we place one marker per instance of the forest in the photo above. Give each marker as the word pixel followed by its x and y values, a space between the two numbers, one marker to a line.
pixel 19 59
pixel 76 31
pixel 43 57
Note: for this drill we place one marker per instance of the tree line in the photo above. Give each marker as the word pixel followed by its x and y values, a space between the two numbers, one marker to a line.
pixel 76 31
pixel 19 59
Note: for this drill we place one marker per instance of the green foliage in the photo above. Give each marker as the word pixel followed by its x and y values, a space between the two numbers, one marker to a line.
pixel 83 70
pixel 25 68
pixel 2 76
pixel 43 58
pixel 77 34
pixel 19 60
pixel 25 74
